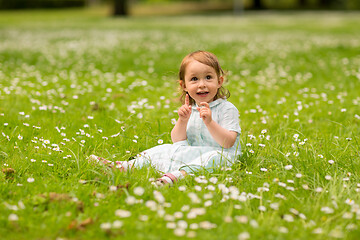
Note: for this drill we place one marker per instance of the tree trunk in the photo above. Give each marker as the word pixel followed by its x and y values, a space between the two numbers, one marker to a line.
pixel 333 4
pixel 258 5
pixel 120 7
pixel 302 3
pixel 324 3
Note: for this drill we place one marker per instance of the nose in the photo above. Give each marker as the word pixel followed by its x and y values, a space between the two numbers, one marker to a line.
pixel 202 83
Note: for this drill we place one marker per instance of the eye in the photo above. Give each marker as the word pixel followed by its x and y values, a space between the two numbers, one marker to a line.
pixel 193 79
pixel 208 77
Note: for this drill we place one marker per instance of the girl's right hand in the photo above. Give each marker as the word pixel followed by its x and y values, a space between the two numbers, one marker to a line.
pixel 185 110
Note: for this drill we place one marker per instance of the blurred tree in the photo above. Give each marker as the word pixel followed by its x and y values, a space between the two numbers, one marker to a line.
pixel 324 3
pixel 302 3
pixel 257 4
pixel 238 7
pixel 27 4
pixel 334 4
pixel 120 8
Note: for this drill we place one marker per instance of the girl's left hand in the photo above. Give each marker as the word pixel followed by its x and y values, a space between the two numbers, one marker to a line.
pixel 205 112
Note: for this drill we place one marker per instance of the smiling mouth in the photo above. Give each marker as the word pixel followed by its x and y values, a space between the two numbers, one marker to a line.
pixel 202 93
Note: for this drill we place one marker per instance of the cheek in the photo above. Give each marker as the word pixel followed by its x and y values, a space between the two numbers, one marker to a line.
pixel 189 85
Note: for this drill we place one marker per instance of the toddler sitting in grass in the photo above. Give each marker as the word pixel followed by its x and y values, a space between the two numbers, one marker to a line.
pixel 206 134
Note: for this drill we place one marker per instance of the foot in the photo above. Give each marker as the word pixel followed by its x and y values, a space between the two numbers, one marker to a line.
pixel 170 178
pixel 100 160
pixel 123 166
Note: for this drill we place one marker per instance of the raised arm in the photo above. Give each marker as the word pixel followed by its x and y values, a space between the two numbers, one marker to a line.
pixel 222 136
pixel 178 133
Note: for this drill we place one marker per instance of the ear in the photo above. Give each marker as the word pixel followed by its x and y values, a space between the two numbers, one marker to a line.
pixel 220 81
pixel 182 85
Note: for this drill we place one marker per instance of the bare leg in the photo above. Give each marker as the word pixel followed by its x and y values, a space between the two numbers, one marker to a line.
pixel 123 166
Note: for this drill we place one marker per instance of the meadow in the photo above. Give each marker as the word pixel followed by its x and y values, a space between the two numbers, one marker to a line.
pixel 76 82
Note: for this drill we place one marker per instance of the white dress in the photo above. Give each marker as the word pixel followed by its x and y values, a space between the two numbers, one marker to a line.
pixel 200 150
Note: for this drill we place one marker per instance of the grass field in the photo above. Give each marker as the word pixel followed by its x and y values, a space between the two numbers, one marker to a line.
pixel 75 83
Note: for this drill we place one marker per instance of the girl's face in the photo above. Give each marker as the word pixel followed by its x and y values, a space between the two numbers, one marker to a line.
pixel 201 82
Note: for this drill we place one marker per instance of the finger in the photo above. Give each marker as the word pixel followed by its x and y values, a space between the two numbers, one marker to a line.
pixel 185 112
pixel 202 114
pixel 204 104
pixel 206 111
pixel 199 109
pixel 181 112
pixel 203 110
pixel 187 101
pixel 188 110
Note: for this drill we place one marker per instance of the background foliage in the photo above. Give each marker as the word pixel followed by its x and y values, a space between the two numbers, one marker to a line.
pixel 76 82
pixel 247 4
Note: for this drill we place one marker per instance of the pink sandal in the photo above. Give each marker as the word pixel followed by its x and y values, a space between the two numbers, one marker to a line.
pixel 169 178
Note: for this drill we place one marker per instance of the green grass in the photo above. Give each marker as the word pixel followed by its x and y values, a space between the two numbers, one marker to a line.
pixel 73 75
